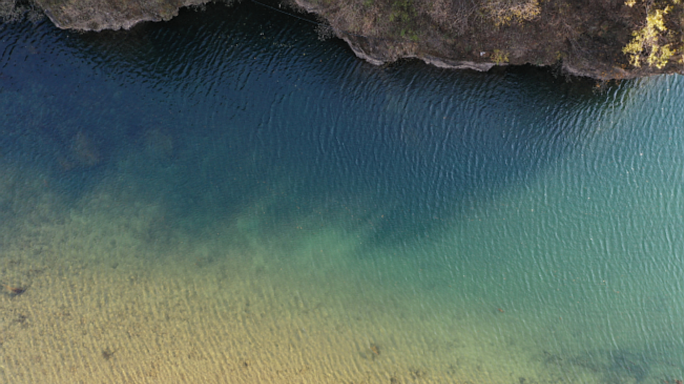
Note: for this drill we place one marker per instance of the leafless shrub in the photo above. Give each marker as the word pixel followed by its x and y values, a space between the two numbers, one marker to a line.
pixel 360 17
pixel 453 15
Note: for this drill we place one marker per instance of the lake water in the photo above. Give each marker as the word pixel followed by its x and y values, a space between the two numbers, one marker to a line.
pixel 224 198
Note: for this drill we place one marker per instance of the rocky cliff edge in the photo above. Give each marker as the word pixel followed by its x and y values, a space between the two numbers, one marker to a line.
pixel 602 39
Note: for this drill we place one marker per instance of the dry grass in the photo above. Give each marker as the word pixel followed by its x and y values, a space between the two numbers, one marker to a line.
pixel 453 15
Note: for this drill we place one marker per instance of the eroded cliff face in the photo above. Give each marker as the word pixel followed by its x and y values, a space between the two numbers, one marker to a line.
pixel 583 37
pixel 98 15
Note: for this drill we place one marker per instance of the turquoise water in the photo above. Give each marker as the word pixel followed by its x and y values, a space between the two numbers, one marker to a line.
pixel 228 185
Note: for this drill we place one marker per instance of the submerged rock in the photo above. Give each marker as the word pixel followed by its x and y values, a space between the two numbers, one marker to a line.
pixel 85 151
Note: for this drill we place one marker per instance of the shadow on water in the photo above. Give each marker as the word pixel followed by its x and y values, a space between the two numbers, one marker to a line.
pixel 616 366
pixel 431 143
pixel 235 97
pixel 654 363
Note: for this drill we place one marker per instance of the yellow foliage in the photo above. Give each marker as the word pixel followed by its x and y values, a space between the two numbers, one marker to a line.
pixel 499 57
pixel 660 56
pixel 646 40
pixel 631 3
pixel 502 12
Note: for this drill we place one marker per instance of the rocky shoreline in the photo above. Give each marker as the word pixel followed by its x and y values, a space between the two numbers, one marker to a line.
pixel 582 37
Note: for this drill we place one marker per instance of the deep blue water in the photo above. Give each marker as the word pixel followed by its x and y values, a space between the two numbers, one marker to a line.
pixel 544 213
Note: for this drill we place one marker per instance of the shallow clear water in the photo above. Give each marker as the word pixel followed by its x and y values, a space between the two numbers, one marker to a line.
pixel 225 198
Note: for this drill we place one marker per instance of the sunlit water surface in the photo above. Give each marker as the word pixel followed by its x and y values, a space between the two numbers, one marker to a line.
pixel 225 198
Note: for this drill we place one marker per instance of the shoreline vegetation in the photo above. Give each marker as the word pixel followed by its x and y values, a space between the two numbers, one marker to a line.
pixel 600 39
pixel 604 39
